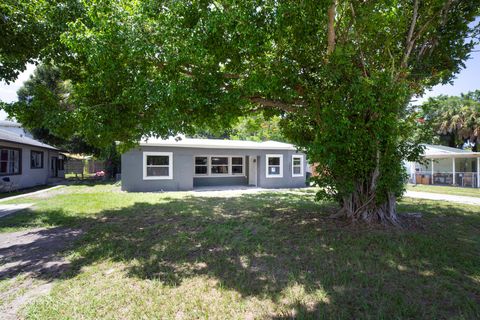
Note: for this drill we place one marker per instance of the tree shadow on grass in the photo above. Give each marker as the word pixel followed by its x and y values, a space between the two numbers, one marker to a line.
pixel 36 252
pixel 263 245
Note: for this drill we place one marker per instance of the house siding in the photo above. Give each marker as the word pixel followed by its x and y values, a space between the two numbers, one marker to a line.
pixel 183 169
pixel 220 181
pixel 31 177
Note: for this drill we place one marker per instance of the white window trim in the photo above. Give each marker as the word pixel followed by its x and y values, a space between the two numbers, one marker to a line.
pixel 219 175
pixel 268 156
pixel 228 165
pixel 41 163
pixel 298 156
pixel 244 167
pixel 170 165
pixel 201 165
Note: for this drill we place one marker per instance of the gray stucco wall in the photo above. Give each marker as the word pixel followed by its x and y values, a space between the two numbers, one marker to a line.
pixel 287 181
pixel 220 181
pixel 183 169
pixel 31 177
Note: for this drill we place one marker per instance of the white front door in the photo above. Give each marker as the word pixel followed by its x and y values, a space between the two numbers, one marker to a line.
pixel 252 170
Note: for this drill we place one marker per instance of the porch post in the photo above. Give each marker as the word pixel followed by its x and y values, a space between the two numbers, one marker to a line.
pixel 478 172
pixel 432 169
pixel 453 171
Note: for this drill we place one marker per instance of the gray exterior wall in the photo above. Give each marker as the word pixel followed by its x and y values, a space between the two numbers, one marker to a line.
pixel 31 177
pixel 220 181
pixel 183 169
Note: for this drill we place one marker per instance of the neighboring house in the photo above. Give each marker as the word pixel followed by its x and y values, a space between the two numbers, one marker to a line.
pixel 183 164
pixel 446 166
pixel 26 161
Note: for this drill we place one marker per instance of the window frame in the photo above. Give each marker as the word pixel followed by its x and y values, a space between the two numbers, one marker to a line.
pixel 228 165
pixel 298 156
pixel 209 173
pixel 237 165
pixel 42 161
pixel 170 165
pixel 269 156
pixel 19 161
pixel 195 165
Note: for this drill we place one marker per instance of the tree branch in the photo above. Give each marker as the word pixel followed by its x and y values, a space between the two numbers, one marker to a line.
pixel 410 40
pixel 413 23
pixel 331 27
pixel 270 103
pixel 362 56
pixel 443 21
pixel 231 76
pixel 187 70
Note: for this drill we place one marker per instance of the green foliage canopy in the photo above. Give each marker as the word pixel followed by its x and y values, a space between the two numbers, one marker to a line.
pixel 42 101
pixel 339 74
pixel 253 127
pixel 450 120
pixel 30 30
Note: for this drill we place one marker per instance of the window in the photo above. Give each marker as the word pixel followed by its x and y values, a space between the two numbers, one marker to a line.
pixel 237 165
pixel 157 165
pixel 201 165
pixel 61 164
pixel 219 165
pixel 10 161
pixel 274 166
pixel 36 159
pixel 297 166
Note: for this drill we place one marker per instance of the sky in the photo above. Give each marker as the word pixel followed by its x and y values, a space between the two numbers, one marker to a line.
pixel 8 93
pixel 467 80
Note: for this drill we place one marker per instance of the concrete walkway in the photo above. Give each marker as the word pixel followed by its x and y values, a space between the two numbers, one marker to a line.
pixel 29 194
pixel 442 197
pixel 6 209
pixel 236 191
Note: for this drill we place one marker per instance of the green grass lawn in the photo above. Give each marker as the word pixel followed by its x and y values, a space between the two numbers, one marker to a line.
pixel 257 256
pixel 458 191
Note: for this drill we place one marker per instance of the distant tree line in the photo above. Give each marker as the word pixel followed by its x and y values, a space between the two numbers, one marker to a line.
pixel 452 121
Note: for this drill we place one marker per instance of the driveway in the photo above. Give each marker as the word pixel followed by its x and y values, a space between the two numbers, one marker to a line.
pixel 442 197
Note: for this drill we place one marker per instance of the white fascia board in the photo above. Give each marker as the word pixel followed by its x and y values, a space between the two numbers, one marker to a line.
pixel 452 155
pixel 216 146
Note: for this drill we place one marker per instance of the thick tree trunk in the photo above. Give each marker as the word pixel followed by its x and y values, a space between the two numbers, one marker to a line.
pixel 362 205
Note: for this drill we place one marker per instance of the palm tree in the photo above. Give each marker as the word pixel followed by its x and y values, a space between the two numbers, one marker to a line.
pixel 452 120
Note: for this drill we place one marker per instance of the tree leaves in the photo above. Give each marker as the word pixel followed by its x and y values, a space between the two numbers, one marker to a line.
pixel 452 121
pixel 158 68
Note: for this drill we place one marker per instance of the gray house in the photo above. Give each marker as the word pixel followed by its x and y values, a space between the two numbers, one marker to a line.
pixel 184 164
pixel 24 161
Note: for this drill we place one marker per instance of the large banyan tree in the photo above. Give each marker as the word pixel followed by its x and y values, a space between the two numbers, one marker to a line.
pixel 340 74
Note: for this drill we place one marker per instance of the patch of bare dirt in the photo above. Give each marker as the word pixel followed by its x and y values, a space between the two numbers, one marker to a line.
pixel 34 257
